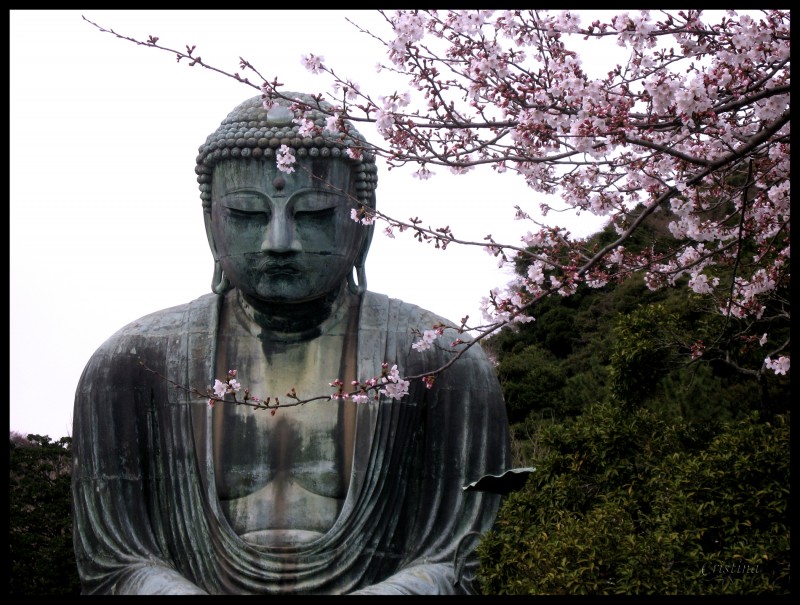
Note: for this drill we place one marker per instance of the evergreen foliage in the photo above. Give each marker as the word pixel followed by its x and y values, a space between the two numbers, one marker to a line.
pixel 658 471
pixel 42 558
pixel 626 342
pixel 628 502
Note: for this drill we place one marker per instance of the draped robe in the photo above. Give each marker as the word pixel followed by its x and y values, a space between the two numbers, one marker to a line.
pixel 147 518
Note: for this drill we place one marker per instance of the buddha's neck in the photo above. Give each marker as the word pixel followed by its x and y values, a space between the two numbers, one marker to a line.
pixel 292 318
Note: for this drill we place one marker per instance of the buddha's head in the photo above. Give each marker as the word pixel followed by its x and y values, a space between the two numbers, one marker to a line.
pixel 277 236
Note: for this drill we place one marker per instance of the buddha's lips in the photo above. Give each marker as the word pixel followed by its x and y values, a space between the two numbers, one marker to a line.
pixel 274 267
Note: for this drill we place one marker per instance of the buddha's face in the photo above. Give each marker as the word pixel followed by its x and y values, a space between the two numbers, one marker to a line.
pixel 285 237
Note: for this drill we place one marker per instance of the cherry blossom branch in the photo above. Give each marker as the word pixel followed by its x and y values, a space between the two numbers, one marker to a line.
pixel 152 42
pixel 389 384
pixel 692 94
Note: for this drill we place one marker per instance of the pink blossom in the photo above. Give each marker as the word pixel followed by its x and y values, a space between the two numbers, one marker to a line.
pixel 286 159
pixel 384 122
pixel 394 387
pixel 535 272
pixel 427 340
pixel 423 174
pixel 306 128
pixel 354 153
pixel 362 215
pixel 220 388
pixel 396 390
pixel 779 366
pixel 312 63
pixel 331 124
pixel 353 88
pixel 701 284
pixel 268 103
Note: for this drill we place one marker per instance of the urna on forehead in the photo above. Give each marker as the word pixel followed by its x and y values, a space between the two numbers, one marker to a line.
pixel 251 131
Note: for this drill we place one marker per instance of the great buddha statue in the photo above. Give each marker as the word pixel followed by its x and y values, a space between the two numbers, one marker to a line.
pixel 172 495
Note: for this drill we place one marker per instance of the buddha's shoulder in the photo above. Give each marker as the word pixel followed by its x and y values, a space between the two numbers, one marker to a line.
pixel 401 311
pixel 409 321
pixel 166 322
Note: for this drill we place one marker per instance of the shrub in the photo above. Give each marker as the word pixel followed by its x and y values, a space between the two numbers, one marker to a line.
pixel 630 503
pixel 42 560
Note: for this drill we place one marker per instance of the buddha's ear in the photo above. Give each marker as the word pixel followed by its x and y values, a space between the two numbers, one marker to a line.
pixel 362 254
pixel 209 234
pixel 360 286
pixel 219 283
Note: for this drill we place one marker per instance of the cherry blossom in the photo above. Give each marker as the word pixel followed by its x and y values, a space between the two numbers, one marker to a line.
pixel 779 366
pixel 286 159
pixel 691 124
pixel 313 63
pixel 394 386
pixel 220 388
pixel 427 340
pixel 306 127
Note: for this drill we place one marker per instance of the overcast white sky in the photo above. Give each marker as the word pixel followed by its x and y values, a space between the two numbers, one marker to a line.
pixel 105 216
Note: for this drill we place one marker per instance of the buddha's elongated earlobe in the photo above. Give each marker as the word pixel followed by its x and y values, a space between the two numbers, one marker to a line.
pixel 360 287
pixel 361 259
pixel 219 283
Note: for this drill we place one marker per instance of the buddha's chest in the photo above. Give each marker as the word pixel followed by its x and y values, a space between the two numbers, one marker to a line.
pixel 289 470
pixel 307 446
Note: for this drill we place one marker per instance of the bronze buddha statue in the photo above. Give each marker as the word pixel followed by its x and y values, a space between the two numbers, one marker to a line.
pixel 173 496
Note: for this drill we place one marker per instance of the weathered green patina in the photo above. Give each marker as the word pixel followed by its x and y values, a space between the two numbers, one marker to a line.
pixel 173 496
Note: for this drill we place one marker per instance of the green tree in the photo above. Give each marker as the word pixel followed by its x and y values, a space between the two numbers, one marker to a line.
pixel 532 380
pixel 643 350
pixel 665 349
pixel 629 502
pixel 42 555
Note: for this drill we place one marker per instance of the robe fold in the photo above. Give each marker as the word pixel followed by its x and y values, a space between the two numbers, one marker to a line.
pixel 147 518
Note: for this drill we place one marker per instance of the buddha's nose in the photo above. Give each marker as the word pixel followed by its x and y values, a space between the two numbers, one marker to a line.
pixel 280 234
